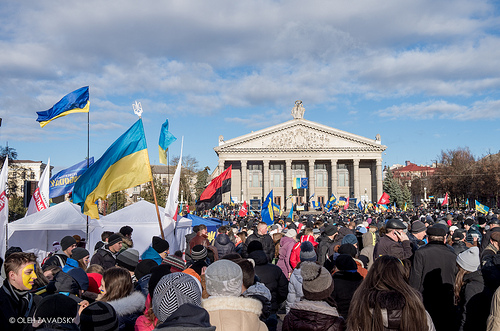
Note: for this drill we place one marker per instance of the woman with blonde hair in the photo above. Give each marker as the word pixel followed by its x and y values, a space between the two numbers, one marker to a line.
pixel 385 301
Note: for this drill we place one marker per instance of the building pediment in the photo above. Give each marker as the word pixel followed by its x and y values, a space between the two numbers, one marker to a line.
pixel 297 135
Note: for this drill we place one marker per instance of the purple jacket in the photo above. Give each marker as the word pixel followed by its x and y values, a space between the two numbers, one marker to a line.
pixel 286 246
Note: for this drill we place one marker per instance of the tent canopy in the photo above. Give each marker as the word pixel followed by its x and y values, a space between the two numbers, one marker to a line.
pixel 36 232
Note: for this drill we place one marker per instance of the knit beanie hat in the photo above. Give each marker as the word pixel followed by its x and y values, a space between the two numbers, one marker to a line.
pixel 79 253
pixel 469 259
pixel 99 316
pixel 317 282
pixel 160 245
pixel 346 262
pixel 224 278
pixel 418 227
pixel 128 259
pixel 199 252
pixel 291 233
pixel 67 242
pixel 330 230
pixel 56 306
pixel 307 252
pixel 94 282
pixel 255 245
pixel 176 263
pixel 144 268
pixel 113 239
pixel 349 239
pixel 81 278
pixel 172 291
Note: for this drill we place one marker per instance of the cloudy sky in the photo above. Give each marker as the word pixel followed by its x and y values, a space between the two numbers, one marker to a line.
pixel 425 75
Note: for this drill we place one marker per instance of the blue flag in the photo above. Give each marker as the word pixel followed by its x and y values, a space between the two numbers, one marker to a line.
pixel 74 102
pixel 360 205
pixel 304 182
pixel 316 205
pixel 166 138
pixel 64 181
pixel 267 211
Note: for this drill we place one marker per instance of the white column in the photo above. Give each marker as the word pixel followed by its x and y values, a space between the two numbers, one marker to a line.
pixel 312 178
pixel 379 180
pixel 265 178
pixel 288 187
pixel 334 177
pixel 355 162
pixel 244 181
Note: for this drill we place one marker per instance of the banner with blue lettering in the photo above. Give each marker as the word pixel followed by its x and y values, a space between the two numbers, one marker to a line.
pixel 64 181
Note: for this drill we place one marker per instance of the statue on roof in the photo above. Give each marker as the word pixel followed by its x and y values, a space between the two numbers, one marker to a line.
pixel 298 110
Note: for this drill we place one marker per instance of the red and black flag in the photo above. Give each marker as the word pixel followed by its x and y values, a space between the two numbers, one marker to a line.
pixel 212 195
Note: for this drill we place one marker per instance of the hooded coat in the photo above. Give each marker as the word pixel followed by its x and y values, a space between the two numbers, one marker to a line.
pixel 151 253
pixel 313 315
pixel 285 252
pixel 56 259
pixel 128 309
pixel 224 245
pixel 272 276
pixel 234 313
pixel 104 257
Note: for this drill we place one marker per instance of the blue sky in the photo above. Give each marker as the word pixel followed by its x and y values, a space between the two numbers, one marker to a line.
pixel 425 75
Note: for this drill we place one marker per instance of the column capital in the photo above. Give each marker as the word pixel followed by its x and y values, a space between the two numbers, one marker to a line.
pixel 355 162
pixel 333 161
pixel 288 162
pixel 243 162
pixel 265 162
pixel 379 161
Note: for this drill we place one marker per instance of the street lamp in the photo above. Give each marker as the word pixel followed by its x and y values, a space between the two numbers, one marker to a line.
pixel 425 193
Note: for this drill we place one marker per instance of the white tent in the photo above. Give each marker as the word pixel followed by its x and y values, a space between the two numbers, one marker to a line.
pixel 141 216
pixel 36 232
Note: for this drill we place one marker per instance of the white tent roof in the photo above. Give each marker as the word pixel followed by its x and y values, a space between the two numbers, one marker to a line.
pixel 141 216
pixel 62 216
pixel 36 232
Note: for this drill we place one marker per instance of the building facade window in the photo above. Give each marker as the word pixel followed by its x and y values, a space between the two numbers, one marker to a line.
pixel 343 175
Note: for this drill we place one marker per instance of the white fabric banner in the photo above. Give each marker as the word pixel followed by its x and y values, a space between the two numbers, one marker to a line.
pixel 40 199
pixel 171 206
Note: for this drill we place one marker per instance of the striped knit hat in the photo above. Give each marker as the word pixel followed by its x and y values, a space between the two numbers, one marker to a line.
pixel 99 316
pixel 199 252
pixel 172 291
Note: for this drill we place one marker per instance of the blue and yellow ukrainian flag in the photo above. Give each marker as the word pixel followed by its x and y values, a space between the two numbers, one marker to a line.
pixel 267 212
pixel 74 102
pixel 276 209
pixel 125 164
pixel 482 208
pixel 166 138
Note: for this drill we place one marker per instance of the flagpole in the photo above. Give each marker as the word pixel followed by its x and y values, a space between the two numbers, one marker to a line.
pixel 88 153
pixel 138 111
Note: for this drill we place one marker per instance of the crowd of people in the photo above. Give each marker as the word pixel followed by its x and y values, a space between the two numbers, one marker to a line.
pixel 418 270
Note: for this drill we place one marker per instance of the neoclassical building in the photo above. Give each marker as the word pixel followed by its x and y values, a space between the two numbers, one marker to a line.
pixel 334 161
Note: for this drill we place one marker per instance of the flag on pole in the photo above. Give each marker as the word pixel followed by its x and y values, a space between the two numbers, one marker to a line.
pixel 482 208
pixel 445 200
pixel 74 102
pixel 405 207
pixel 467 203
pixel 382 207
pixel 243 210
pixel 346 204
pixel 276 209
pixel 384 199
pixel 166 138
pixel 311 196
pixel 212 195
pixel 64 181
pixel 172 205
pixel 267 212
pixel 316 205
pixel 124 164
pixel 360 205
pixel 40 198
pixel 290 214
pixel 4 205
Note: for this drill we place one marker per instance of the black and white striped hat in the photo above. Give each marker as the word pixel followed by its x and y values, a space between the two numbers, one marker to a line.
pixel 172 291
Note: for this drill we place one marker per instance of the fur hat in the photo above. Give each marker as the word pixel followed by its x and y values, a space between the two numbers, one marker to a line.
pixel 317 282
pixel 128 259
pixel 172 291
pixel 307 252
pixel 224 278
pixel 160 245
pixel 469 259
pixel 66 242
pixel 98 316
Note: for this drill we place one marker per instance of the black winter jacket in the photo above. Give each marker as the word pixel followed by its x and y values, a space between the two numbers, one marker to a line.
pixel 14 305
pixel 272 276
pixel 104 258
pixel 345 284
pixel 267 244
pixel 475 300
